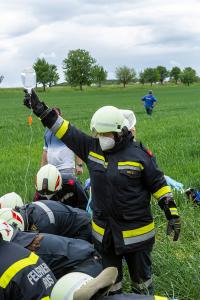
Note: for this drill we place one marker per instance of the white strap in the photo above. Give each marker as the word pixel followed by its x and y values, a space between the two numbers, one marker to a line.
pixel 47 210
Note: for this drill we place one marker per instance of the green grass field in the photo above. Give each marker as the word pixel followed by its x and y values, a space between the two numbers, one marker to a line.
pixel 172 134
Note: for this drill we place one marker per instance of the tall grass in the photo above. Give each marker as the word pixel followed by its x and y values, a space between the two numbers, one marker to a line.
pixel 172 134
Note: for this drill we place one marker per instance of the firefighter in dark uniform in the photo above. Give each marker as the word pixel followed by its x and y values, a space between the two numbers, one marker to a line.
pixel 123 177
pixel 56 218
pixel 63 255
pixel 23 275
pixel 49 185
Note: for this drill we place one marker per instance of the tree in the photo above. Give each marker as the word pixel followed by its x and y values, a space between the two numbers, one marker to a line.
pixel 175 73
pixel 125 75
pixel 78 67
pixel 151 75
pixel 53 75
pixel 99 74
pixel 163 73
pixel 1 78
pixel 142 78
pixel 188 76
pixel 41 68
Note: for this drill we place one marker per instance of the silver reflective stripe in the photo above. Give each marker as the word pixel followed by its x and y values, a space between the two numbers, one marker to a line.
pixel 97 236
pixel 129 168
pixel 47 210
pixel 166 195
pixel 115 287
pixel 143 285
pixel 99 161
pixel 57 125
pixel 139 238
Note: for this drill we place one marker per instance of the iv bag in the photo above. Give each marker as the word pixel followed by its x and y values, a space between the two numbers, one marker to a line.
pixel 28 77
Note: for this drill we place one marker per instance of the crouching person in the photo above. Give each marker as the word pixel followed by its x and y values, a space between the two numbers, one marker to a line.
pixel 23 275
pixel 50 185
pixel 50 217
pixel 80 286
pixel 63 255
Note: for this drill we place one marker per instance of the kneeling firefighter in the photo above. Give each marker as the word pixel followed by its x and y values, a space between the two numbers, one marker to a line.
pixel 49 185
pixel 62 255
pixel 23 274
pixel 50 217
pixel 122 220
pixel 80 286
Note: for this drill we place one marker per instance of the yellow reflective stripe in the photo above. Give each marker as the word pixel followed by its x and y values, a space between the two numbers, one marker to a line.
pixel 96 155
pixel 138 231
pixel 17 267
pixel 45 298
pixel 161 192
pixel 160 298
pixel 131 163
pixel 62 130
pixel 173 211
pixel 97 228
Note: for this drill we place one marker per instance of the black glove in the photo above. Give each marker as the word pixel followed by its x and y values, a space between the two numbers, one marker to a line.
pixel 32 101
pixel 174 222
pixel 174 225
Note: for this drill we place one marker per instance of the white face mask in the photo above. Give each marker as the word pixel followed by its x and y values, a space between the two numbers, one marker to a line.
pixel 106 143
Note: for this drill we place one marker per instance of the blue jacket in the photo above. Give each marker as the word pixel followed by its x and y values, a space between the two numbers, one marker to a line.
pixel 149 100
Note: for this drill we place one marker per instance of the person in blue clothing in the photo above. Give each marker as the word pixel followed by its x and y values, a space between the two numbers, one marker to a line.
pixel 149 102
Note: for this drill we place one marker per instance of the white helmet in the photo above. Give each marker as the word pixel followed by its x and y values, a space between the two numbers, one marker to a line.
pixel 68 284
pixel 6 231
pixel 48 180
pixel 108 119
pixel 11 200
pixel 80 286
pixel 12 218
pixel 130 117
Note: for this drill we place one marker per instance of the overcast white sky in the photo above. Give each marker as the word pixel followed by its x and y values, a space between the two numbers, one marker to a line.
pixel 135 33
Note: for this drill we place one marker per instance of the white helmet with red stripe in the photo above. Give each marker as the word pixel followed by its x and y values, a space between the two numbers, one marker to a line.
pixel 48 180
pixel 6 231
pixel 12 218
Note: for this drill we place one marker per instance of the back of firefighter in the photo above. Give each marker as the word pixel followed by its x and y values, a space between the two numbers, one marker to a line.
pixel 123 177
pixel 23 275
pixel 56 218
pixel 63 255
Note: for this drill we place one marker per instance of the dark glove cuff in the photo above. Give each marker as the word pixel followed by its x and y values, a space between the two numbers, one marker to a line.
pixel 169 206
pixel 49 118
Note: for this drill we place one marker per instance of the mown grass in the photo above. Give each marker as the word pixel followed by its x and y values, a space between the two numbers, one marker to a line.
pixel 172 134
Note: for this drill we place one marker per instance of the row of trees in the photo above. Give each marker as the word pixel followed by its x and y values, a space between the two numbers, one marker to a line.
pixel 80 68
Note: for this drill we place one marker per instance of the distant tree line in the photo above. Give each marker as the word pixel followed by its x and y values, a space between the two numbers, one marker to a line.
pixel 80 69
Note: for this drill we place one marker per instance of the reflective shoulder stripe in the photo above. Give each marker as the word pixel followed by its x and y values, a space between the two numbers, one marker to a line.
pixel 130 164
pixel 17 267
pixel 161 192
pixel 47 210
pixel 160 298
pixel 45 298
pixel 57 124
pixel 138 231
pixel 97 228
pixel 62 130
pixel 96 155
pixel 173 211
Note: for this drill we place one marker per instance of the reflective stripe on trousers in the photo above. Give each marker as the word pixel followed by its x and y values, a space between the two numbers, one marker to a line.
pixel 47 210
pixel 129 236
